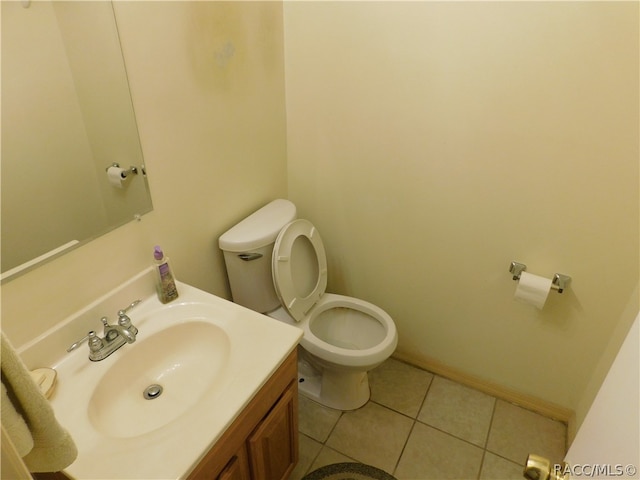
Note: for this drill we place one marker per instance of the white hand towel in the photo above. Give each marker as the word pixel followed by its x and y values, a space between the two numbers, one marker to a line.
pixel 15 425
pixel 53 448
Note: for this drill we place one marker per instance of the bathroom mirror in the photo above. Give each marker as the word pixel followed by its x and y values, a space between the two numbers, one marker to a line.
pixel 66 117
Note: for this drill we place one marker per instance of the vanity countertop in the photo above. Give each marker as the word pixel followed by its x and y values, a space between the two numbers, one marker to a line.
pixel 257 347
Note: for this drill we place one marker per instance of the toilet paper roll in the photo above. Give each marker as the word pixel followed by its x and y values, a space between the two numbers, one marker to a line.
pixel 533 290
pixel 115 176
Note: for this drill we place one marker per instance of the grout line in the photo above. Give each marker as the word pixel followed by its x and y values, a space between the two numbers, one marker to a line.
pixel 415 420
pixel 484 453
pixel 323 443
pixel 308 470
pixel 406 441
pixel 505 458
pixel 449 434
pixel 493 414
pixel 333 429
pixel 486 439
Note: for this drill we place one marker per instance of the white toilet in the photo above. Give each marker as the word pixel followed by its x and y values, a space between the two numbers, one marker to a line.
pixel 277 265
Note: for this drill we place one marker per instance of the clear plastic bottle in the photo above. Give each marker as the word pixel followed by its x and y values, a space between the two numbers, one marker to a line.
pixel 167 290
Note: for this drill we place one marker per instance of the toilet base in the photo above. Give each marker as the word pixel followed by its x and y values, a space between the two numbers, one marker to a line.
pixel 334 389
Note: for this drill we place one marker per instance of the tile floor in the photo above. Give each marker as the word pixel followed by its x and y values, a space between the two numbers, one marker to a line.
pixel 421 426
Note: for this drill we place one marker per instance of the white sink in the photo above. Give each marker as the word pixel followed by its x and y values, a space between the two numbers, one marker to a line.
pixel 169 365
pixel 210 357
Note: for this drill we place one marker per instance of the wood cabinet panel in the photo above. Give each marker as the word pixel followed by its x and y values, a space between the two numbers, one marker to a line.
pixel 273 451
pixel 238 467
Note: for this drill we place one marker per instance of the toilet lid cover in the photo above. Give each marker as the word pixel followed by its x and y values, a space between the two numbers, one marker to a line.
pixel 299 267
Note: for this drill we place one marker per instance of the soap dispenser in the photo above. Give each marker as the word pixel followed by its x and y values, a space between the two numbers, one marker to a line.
pixel 167 290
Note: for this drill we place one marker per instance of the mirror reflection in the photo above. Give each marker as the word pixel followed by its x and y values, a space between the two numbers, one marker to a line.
pixel 67 117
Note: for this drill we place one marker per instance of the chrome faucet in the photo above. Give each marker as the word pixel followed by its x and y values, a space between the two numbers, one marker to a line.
pixel 115 336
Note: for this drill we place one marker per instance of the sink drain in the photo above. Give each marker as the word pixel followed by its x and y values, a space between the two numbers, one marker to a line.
pixel 152 391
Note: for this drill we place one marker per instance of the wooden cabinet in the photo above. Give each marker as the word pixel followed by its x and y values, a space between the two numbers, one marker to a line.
pixel 262 443
pixel 237 468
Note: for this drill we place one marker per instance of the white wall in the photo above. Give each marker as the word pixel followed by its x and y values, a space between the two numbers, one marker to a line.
pixel 609 435
pixel 432 143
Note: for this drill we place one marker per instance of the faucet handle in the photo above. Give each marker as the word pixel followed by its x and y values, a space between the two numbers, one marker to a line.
pixel 76 344
pixel 95 343
pixel 123 319
pixel 125 322
pixel 131 305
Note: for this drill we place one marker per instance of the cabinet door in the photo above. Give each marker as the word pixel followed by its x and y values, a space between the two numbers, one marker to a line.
pixel 273 445
pixel 237 468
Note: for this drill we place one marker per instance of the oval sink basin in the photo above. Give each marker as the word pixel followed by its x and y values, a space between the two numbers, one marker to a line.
pixel 186 360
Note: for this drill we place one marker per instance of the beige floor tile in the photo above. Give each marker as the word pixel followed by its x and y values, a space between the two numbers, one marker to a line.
pixel 516 432
pixel 329 456
pixel 373 434
pixel 399 386
pixel 434 455
pixel 458 410
pixel 316 420
pixel 497 468
pixel 308 450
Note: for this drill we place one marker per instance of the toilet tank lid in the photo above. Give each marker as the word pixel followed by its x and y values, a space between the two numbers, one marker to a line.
pixel 260 228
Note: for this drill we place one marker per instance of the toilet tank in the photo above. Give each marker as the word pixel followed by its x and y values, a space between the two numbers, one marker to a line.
pixel 247 249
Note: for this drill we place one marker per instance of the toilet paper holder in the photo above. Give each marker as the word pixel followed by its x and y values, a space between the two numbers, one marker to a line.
pixel 125 173
pixel 559 282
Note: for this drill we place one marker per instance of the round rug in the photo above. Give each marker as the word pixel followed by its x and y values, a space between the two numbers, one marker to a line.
pixel 348 471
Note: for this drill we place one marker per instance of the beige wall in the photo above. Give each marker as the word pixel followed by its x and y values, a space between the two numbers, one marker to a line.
pixel 212 128
pixel 432 143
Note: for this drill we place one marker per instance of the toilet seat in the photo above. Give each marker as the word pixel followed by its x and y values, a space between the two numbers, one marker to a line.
pixel 299 266
pixel 371 354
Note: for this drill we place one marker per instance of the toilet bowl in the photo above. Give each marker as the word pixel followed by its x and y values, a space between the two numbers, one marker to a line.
pixel 343 337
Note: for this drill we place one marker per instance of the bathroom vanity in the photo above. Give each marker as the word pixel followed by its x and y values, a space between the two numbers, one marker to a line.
pixel 262 443
pixel 228 402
